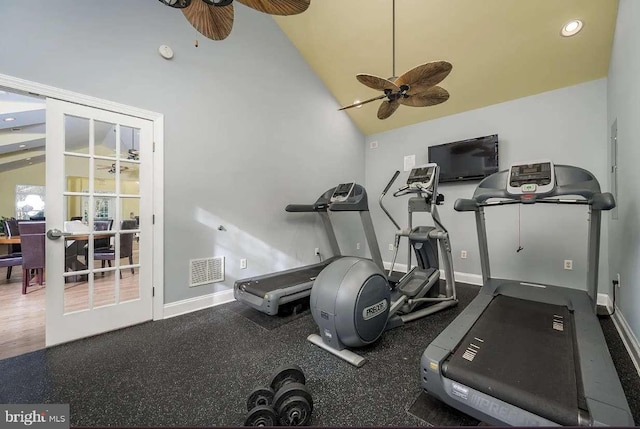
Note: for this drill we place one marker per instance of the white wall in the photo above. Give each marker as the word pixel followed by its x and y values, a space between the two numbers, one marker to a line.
pixel 566 125
pixel 624 105
pixel 249 128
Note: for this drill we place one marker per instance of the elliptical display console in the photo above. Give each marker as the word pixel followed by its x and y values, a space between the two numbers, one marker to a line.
pixel 352 301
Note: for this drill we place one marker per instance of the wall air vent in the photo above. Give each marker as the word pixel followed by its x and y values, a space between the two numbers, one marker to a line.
pixel 206 270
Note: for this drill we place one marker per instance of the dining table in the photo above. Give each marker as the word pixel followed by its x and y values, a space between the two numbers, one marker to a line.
pixel 9 240
pixel 74 247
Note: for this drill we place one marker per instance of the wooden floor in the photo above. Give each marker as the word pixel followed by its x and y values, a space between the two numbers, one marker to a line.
pixel 22 317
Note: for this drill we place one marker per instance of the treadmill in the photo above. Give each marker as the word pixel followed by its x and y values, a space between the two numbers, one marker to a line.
pixel 528 354
pixel 267 292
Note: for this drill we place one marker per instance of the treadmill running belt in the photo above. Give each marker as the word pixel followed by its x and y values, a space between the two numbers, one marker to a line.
pixel 262 287
pixel 521 352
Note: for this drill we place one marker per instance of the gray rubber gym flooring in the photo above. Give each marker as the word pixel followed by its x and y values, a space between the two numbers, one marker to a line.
pixel 197 369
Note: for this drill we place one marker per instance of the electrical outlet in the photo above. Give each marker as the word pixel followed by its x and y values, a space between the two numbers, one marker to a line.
pixel 316 251
pixel 568 264
pixel 357 246
pixel 391 246
pixel 619 281
pixel 243 264
pixel 463 254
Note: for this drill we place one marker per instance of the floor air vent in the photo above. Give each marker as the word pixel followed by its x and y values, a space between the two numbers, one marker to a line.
pixel 206 270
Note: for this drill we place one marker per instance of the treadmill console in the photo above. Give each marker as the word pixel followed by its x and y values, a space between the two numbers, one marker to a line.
pixel 532 177
pixel 342 192
pixel 422 177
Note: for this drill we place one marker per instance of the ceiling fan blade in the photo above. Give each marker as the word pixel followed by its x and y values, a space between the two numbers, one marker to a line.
pixel 430 97
pixel 376 82
pixel 387 108
pixel 278 7
pixel 178 4
pixel 360 103
pixel 213 22
pixel 420 78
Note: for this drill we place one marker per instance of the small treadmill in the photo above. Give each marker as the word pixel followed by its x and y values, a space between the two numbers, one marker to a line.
pixel 267 292
pixel 528 354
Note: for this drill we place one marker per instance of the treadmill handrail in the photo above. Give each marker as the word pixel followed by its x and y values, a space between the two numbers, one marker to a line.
pixel 306 208
pixel 570 181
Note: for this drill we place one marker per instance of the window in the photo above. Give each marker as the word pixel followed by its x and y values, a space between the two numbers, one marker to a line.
pixel 105 207
pixel 29 201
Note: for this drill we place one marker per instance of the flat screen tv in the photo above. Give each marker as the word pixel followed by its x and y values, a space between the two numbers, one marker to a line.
pixel 472 159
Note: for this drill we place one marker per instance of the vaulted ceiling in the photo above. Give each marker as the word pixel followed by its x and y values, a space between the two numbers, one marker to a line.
pixel 22 130
pixel 500 49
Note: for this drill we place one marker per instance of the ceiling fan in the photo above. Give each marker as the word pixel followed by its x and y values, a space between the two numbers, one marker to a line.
pixel 111 169
pixel 415 88
pixel 214 18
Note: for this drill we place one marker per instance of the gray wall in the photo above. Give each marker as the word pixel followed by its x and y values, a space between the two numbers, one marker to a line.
pixel 249 127
pixel 566 125
pixel 624 104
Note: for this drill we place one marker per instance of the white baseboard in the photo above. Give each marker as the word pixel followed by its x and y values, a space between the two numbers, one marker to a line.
pixel 628 338
pixel 468 278
pixel 397 267
pixel 604 299
pixel 198 303
pixel 473 279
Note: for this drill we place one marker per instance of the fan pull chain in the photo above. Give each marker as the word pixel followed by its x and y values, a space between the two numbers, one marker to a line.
pixel 519 242
pixel 195 43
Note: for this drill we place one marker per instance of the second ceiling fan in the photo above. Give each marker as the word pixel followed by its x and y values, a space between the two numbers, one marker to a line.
pixel 415 88
pixel 214 18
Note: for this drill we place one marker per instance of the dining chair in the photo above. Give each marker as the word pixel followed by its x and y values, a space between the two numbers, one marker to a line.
pixel 107 255
pixel 14 252
pixel 102 225
pixel 33 251
pixel 10 261
pixel 11 230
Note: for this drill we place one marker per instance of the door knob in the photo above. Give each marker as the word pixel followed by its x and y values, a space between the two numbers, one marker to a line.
pixel 54 234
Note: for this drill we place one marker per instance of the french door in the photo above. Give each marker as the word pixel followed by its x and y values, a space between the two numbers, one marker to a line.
pixel 99 221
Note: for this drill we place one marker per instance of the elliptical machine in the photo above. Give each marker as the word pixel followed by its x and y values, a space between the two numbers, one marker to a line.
pixel 352 301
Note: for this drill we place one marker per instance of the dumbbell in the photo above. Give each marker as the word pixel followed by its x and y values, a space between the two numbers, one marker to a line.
pixel 291 403
pixel 261 415
pixel 259 407
pixel 292 400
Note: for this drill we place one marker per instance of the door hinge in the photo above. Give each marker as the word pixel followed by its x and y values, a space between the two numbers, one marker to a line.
pixel 153 291
pixel 153 219
pixel 154 146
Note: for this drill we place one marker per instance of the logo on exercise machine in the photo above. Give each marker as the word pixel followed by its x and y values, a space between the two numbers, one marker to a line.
pixel 374 310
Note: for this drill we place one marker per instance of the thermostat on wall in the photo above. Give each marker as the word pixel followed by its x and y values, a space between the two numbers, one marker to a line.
pixel 166 52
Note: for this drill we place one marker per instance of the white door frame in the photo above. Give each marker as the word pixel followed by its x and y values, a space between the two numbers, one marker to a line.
pixel 33 88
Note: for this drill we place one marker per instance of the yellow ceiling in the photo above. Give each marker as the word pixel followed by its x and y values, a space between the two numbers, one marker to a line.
pixel 500 49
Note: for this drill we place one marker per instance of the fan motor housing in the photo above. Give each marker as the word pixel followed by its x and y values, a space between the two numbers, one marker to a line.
pixel 218 2
pixel 350 303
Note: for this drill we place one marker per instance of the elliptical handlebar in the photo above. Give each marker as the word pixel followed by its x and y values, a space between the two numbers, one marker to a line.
pixel 386 189
pixel 393 179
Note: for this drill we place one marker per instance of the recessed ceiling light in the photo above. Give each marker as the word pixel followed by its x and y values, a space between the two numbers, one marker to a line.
pixel 572 27
pixel 23 145
pixel 356 102
pixel 9 119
